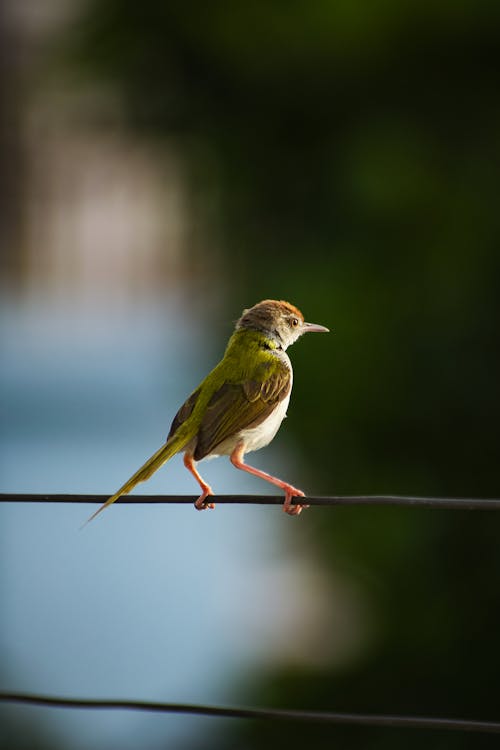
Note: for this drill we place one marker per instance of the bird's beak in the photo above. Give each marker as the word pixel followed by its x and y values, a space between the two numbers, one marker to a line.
pixel 314 328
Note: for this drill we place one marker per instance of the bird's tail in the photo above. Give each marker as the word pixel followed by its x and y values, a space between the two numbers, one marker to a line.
pixel 171 447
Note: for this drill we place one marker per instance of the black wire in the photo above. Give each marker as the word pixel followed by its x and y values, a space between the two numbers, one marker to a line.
pixel 316 717
pixel 445 503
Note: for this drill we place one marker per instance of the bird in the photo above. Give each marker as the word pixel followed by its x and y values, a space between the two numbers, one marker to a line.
pixel 239 406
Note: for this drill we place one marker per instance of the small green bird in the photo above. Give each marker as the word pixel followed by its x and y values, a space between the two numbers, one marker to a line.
pixel 240 405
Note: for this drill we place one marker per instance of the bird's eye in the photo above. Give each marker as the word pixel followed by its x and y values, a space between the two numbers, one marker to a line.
pixel 295 322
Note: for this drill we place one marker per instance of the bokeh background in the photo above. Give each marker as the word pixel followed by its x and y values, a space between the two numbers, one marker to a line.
pixel 165 164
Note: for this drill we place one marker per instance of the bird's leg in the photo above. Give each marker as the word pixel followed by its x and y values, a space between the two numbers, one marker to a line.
pixel 290 491
pixel 201 503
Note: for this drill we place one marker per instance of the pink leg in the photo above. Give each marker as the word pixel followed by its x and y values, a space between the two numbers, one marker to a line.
pixel 201 503
pixel 290 491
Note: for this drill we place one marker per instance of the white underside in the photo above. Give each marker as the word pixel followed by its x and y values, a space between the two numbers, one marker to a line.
pixel 255 437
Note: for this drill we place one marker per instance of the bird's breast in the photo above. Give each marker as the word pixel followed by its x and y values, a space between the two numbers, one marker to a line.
pixel 255 438
pixel 258 437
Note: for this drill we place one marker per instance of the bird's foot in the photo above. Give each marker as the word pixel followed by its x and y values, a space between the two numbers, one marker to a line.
pixel 294 509
pixel 202 503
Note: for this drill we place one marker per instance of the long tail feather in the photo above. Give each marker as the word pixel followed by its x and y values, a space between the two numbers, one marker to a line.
pixel 161 456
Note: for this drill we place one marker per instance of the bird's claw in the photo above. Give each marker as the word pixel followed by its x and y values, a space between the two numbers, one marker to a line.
pixel 294 509
pixel 202 503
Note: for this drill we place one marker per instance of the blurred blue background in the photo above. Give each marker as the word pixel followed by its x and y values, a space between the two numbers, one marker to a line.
pixel 164 166
pixel 151 602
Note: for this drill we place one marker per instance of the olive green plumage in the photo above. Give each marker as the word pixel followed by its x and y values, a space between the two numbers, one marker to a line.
pixel 239 393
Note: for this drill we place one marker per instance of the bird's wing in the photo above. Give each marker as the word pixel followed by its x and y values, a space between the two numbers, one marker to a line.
pixel 238 406
pixel 184 412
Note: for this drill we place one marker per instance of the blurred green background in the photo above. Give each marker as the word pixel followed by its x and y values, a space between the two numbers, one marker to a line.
pixel 345 157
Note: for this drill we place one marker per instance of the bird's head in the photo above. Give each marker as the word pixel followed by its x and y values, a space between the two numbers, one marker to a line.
pixel 279 320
